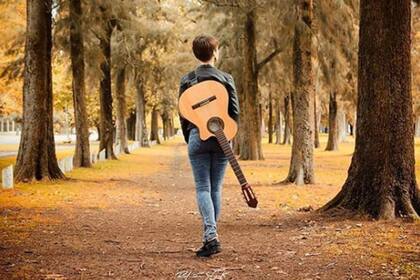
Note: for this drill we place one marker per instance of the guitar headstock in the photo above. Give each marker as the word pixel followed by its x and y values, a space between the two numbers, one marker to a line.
pixel 249 196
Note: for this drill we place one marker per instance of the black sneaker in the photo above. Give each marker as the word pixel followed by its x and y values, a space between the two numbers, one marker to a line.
pixel 209 248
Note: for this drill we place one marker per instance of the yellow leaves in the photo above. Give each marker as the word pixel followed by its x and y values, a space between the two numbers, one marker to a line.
pixel 12 20
pixel 10 96
pixel 12 29
pixel 89 187
pixel 380 244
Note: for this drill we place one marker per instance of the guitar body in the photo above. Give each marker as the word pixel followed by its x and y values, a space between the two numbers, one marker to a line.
pixel 206 105
pixel 204 101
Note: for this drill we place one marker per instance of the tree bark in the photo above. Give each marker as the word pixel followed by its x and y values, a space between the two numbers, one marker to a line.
pixel 237 74
pixel 250 115
pixel 270 118
pixel 106 123
pixel 316 127
pixel 36 157
pixel 141 129
pixel 381 179
pixel 165 125
pixel 98 129
pixel 278 121
pixel 287 122
pixel 172 126
pixel 154 132
pixel 121 110
pixel 301 163
pixel 82 152
pixel 351 130
pixel 131 126
pixel 332 144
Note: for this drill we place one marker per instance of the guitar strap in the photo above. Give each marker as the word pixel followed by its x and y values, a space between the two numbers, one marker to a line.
pixel 193 78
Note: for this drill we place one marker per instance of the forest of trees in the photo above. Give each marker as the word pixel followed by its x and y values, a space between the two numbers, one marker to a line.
pixel 301 67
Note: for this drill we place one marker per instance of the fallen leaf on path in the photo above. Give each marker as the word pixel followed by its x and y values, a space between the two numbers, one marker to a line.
pixel 112 241
pixel 54 276
pixel 305 209
pixel 312 254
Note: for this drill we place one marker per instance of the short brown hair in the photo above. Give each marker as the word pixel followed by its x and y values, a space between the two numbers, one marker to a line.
pixel 203 47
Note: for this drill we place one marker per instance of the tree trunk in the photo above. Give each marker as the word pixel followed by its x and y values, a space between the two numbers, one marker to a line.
pixel 107 127
pixel 82 153
pixel 172 126
pixel 121 111
pixel 36 157
pixel 141 129
pixel 262 124
pixel 168 126
pixel 250 115
pixel 318 119
pixel 278 121
pixel 351 130
pixel 98 129
pixel 381 179
pixel 131 126
pixel 332 144
pixel 154 132
pixel 287 121
pixel 316 127
pixel 165 125
pixel 270 118
pixel 301 164
pixel 237 140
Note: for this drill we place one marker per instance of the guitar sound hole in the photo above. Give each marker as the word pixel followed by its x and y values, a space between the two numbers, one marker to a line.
pixel 214 124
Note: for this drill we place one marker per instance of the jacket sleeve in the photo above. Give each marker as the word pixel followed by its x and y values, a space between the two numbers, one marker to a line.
pixel 184 122
pixel 234 109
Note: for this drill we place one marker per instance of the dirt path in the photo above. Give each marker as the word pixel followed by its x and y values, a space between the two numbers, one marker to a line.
pixel 149 228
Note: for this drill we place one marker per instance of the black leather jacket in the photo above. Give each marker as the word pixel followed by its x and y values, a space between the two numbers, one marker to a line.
pixel 207 72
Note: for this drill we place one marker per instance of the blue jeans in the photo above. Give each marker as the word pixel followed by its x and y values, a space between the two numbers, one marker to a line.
pixel 208 164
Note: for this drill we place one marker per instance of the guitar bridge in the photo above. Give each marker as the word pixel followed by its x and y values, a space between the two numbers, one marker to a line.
pixel 204 102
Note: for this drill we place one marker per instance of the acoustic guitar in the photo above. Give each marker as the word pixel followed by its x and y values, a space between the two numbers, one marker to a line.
pixel 205 104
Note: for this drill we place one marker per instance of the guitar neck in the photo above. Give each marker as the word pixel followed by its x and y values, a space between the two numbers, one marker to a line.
pixel 224 144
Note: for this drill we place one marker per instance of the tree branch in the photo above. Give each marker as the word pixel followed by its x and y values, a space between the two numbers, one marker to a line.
pixel 221 3
pixel 268 58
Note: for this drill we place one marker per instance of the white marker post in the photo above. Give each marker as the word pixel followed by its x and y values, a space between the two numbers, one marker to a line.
pixel 93 158
pixel 7 177
pixel 102 155
pixel 62 165
pixel 68 164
